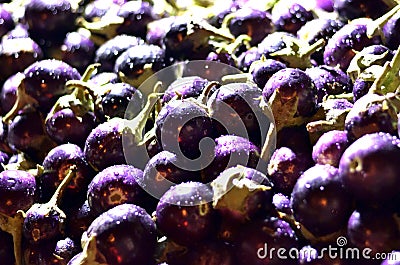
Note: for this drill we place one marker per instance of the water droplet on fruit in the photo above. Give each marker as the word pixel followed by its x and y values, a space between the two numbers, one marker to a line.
pixel 12 182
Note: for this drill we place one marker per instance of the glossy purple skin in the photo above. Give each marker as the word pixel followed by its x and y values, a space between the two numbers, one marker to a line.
pixel 185 215
pixel 320 202
pixel 255 23
pixel 221 57
pixel 116 100
pixel 131 62
pixel 374 229
pixel 361 88
pixel 116 185
pixel 19 31
pixel 153 147
pixel 319 28
pixel 50 19
pixel 104 78
pixel 162 168
pixel 344 44
pixel 377 49
pixel 376 117
pixel 329 81
pixel 351 9
pixel 26 134
pixel 272 42
pixel 66 249
pixel 254 235
pixel 246 58
pixel 284 168
pixel 17 54
pixel 56 166
pixel 256 176
pixel 186 86
pixel 137 15
pixel 4 158
pixel 393 259
pixel 98 8
pixel 8 93
pixel 370 168
pixel 4 146
pixel 178 46
pixel 157 29
pixel 220 12
pixel 182 125
pixel 330 147
pixel 6 249
pixel 296 138
pixel 290 83
pixel 83 217
pixel 240 102
pixel 390 32
pixel 262 72
pixel 65 127
pixel 103 146
pixel 45 80
pixel 342 104
pixel 282 203
pixel 292 18
pixel 134 232
pixel 109 51
pixel 254 204
pixel 42 253
pixel 326 5
pixel 18 191
pixel 230 151
pixel 39 227
pixel 6 21
pixel 78 50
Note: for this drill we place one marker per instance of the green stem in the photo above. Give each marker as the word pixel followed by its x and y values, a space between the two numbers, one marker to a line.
pixel 391 3
pixel 376 87
pixel 137 124
pixel 22 101
pixel 312 49
pixel 212 31
pixel 347 96
pixel 206 92
pixel 14 225
pixel 57 196
pixel 89 71
pixel 236 78
pixel 389 80
pixel 240 40
pixel 227 19
pixel 107 26
pixel 269 143
pixel 90 255
pixel 82 85
pixel 374 28
pixel 294 53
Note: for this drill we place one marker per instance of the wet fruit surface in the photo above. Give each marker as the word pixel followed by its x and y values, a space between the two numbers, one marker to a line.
pixel 226 132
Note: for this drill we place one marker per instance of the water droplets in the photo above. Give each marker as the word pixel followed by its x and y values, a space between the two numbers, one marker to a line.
pixel 11 182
